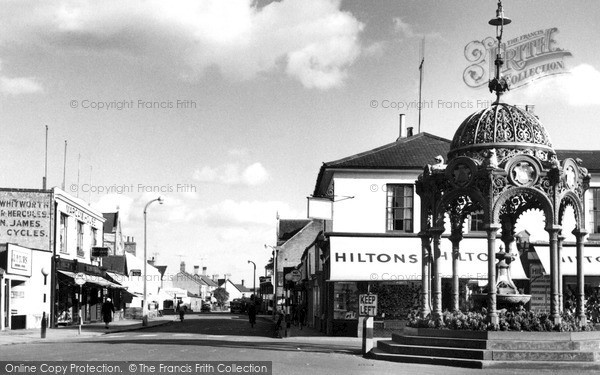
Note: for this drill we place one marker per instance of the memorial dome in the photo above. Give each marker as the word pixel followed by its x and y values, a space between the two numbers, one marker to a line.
pixel 507 129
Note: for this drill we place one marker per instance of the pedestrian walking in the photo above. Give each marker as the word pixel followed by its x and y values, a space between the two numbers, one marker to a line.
pixel 108 309
pixel 181 310
pixel 252 311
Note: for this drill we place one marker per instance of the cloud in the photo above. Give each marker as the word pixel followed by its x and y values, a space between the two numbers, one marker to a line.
pixel 407 31
pixel 312 41
pixel 577 88
pixel 260 213
pixel 19 85
pixel 231 174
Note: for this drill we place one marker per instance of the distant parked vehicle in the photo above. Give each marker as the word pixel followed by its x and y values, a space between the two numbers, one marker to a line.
pixel 206 307
pixel 236 306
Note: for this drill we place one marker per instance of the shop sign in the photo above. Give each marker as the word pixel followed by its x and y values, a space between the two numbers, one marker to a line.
pixel 25 219
pixel 294 275
pixel 398 259
pixel 526 58
pixel 19 260
pixel 99 252
pixel 81 216
pixel 17 294
pixel 79 278
pixel 367 304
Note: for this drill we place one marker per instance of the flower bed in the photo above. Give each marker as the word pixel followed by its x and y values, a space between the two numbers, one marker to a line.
pixel 520 320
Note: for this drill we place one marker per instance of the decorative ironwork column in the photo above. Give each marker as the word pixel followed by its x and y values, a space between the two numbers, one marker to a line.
pixel 561 304
pixel 425 275
pixel 436 234
pixel 580 312
pixel 492 230
pixel 455 238
pixel 553 232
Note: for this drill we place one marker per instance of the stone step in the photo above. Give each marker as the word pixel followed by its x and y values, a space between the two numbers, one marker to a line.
pixel 564 345
pixel 526 354
pixel 426 360
pixel 557 367
pixel 439 341
pixel 442 352
pixel 544 355
pixel 585 345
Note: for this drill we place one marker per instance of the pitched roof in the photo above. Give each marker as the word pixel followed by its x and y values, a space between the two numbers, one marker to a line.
pixel 406 153
pixel 242 288
pixel 115 263
pixel 590 158
pixel 161 269
pixel 415 152
pixel 289 228
pixel 110 224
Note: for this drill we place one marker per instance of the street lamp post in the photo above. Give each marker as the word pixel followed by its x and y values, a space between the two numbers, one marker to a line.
pixel 145 302
pixel 253 279
pixel 275 255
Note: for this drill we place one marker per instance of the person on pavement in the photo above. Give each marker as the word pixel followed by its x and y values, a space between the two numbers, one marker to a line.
pixel 181 310
pixel 108 309
pixel 252 311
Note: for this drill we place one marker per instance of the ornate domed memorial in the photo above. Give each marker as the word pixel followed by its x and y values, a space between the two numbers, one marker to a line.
pixel 502 164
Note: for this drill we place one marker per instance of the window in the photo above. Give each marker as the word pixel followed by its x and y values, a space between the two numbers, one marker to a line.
pixel 93 234
pixel 595 210
pixel 63 233
pixel 345 301
pixel 80 252
pixel 400 208
pixel 476 222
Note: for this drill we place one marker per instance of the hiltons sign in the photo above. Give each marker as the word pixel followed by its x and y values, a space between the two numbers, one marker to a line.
pixel 528 57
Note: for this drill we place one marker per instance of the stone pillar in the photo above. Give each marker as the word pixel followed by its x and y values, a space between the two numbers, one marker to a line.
pixel 553 231
pixel 492 230
pixel 425 276
pixel 436 290
pixel 456 237
pixel 559 247
pixel 579 236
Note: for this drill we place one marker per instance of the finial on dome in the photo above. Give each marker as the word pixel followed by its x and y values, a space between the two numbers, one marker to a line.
pixel 499 84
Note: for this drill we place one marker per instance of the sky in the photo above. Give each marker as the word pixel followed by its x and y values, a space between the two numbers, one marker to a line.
pixel 228 108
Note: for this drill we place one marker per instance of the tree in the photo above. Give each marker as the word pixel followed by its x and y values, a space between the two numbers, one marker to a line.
pixel 221 295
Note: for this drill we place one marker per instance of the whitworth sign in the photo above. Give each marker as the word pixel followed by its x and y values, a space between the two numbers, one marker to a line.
pixel 528 57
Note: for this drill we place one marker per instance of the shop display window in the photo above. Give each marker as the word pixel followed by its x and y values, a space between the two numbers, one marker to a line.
pixel 345 302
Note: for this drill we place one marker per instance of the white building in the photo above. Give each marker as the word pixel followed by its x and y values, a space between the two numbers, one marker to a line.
pixel 372 235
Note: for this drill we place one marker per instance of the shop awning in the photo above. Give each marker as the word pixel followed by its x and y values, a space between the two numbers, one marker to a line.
pixel 94 279
pixel 568 266
pixel 399 259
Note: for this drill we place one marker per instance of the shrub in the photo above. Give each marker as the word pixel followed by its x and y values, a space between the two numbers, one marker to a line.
pixel 520 320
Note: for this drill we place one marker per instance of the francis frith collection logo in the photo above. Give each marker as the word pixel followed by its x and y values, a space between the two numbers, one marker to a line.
pixel 527 58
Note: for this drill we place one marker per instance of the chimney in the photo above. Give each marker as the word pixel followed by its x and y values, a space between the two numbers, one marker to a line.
pixel 409 131
pixel 203 271
pixel 402 126
pixel 242 282
pixel 182 267
pixel 196 268
pixel 151 261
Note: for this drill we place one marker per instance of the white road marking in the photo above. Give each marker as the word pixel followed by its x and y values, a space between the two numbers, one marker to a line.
pixel 182 334
pixel 147 335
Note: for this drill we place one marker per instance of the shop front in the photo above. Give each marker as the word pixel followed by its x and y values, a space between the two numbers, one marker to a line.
pixel 391 268
pixel 25 287
pixel 540 278
pixel 70 296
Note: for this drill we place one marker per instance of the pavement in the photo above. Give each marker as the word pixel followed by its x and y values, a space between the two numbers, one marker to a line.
pixel 26 336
